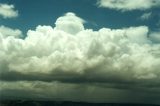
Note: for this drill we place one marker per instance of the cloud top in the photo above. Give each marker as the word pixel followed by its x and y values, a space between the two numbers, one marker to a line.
pixel 70 23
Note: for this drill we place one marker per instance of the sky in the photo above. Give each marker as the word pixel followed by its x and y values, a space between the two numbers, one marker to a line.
pixel 86 50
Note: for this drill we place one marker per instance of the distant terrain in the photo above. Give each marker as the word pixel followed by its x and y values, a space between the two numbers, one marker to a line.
pixel 65 103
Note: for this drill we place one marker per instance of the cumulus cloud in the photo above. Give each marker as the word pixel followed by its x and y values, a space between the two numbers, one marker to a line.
pixel 59 58
pixel 8 11
pixel 128 5
pixel 6 31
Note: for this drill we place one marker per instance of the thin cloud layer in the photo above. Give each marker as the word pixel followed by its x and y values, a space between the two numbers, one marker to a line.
pixel 8 11
pixel 128 5
pixel 59 58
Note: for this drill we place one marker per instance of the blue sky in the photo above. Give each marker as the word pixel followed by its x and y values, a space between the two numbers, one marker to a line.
pixel 80 50
pixel 45 12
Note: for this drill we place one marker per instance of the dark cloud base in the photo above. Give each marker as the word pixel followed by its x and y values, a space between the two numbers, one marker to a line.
pixel 65 103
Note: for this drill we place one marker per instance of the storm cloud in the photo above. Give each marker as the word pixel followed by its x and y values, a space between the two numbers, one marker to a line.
pixel 74 63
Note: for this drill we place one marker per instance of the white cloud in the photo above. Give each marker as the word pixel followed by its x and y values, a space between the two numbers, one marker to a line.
pixel 120 59
pixel 8 11
pixel 155 37
pixel 146 16
pixel 128 5
pixel 6 31
pixel 70 23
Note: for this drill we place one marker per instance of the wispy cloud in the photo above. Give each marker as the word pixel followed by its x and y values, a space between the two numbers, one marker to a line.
pixel 128 5
pixel 146 16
